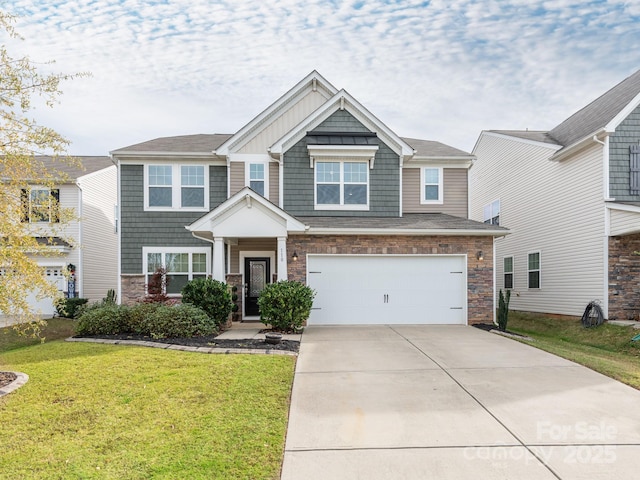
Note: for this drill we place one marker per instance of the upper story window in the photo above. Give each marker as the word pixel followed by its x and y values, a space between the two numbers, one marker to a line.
pixel 431 181
pixel 171 187
pixel 40 204
pixel 341 185
pixel 491 213
pixel 508 272
pixel 257 178
pixel 534 270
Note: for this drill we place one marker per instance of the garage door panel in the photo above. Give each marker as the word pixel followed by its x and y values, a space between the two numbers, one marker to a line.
pixel 388 289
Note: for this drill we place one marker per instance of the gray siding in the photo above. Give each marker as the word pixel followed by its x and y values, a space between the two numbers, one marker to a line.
pixel 162 229
pixel 384 179
pixel 627 133
pixel 455 200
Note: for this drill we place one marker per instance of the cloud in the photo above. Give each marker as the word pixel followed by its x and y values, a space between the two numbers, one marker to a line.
pixel 440 69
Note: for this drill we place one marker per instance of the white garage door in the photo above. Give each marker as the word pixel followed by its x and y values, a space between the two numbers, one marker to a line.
pixel 45 306
pixel 386 289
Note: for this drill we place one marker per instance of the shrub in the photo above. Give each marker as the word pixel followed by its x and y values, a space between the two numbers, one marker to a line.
pixel 103 320
pixel 183 320
pixel 212 296
pixel 285 305
pixel 137 317
pixel 503 310
pixel 70 307
pixel 157 287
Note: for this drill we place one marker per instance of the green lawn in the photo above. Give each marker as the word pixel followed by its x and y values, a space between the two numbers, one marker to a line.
pixel 607 349
pixel 103 411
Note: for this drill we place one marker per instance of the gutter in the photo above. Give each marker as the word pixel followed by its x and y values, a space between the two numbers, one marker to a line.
pixel 402 231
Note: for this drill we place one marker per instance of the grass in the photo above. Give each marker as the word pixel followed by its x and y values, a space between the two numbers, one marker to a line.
pixel 56 328
pixel 104 411
pixel 607 349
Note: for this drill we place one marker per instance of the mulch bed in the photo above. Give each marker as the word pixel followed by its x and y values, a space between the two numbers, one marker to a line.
pixel 208 341
pixel 6 378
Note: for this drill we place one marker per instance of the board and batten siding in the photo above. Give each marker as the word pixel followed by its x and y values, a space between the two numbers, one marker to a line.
pixel 455 187
pixel 286 121
pixel 99 248
pixel 158 229
pixel 384 178
pixel 238 179
pixel 253 245
pixel 556 208
pixel 237 176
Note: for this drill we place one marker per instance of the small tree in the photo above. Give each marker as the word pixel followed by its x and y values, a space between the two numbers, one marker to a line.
pixel 285 305
pixel 157 287
pixel 503 310
pixel 210 295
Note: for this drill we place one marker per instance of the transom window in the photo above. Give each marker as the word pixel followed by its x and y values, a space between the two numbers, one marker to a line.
pixel 40 204
pixel 182 265
pixel 534 270
pixel 176 187
pixel 431 185
pixel 491 213
pixel 257 177
pixel 508 272
pixel 342 185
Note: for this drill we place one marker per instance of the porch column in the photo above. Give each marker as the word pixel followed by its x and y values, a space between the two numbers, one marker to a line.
pixel 282 258
pixel 218 259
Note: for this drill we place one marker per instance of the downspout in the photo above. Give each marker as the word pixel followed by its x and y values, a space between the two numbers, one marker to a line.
pixel 228 176
pixel 79 246
pixel 605 246
pixel 119 230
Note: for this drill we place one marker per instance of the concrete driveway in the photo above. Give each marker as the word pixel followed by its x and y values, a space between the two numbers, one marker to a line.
pixel 452 402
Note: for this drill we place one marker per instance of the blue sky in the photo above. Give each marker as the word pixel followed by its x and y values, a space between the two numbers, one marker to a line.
pixel 439 70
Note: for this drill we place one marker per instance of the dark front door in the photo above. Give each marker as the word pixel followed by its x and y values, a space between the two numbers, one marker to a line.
pixel 256 276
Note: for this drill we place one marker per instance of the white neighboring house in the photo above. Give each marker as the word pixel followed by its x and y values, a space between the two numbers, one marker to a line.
pixel 90 242
pixel 571 198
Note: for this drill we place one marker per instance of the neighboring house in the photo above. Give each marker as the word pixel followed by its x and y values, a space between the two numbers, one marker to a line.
pixel 88 242
pixel 571 197
pixel 314 189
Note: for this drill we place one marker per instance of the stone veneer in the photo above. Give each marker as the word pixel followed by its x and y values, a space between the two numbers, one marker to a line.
pixel 479 272
pixel 133 288
pixel 624 278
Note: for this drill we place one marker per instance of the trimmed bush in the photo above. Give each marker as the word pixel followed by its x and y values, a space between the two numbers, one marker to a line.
pixel 285 305
pixel 503 310
pixel 103 320
pixel 137 317
pixel 210 295
pixel 70 307
pixel 182 320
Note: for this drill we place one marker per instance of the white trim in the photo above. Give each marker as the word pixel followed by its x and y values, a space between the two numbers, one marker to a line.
pixel 539 270
pixel 176 187
pixel 164 250
pixel 403 231
pixel 526 141
pixel 622 114
pixel 512 272
pixel 440 200
pixel 265 180
pixel 623 207
pixel 271 255
pixel 119 230
pixel 341 183
pixel 492 216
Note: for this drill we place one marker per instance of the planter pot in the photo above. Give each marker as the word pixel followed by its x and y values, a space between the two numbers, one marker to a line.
pixel 273 338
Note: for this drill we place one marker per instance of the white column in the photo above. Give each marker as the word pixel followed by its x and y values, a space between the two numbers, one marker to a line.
pixel 218 259
pixel 282 258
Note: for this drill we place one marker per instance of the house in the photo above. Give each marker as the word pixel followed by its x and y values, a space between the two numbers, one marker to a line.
pixel 87 244
pixel 571 197
pixel 314 189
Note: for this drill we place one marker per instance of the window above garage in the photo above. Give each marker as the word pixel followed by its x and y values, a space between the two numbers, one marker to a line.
pixel 341 162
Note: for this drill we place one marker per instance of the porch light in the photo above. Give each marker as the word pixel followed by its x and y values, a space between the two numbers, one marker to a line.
pixel 295 256
pixel 480 255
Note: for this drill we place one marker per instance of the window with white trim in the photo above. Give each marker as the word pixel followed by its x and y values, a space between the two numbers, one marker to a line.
pixel 431 181
pixel 341 185
pixel 508 272
pixel 257 177
pixel 40 204
pixel 534 269
pixel 181 264
pixel 491 213
pixel 172 187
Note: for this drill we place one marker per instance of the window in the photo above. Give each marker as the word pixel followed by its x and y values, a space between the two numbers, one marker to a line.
pixel 182 265
pixel 534 270
pixel 342 185
pixel 40 204
pixel 171 187
pixel 491 213
pixel 508 272
pixel 257 177
pixel 634 170
pixel 431 181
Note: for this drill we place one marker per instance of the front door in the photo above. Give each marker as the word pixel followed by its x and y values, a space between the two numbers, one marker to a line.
pixel 256 277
